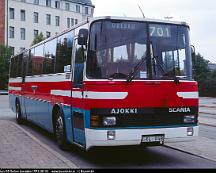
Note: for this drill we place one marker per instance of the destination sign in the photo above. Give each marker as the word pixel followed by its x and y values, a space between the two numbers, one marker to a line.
pixel 157 30
pixel 124 26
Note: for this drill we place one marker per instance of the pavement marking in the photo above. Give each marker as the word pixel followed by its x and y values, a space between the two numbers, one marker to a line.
pixel 59 156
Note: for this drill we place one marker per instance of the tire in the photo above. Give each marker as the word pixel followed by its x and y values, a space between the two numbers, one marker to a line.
pixel 19 119
pixel 60 130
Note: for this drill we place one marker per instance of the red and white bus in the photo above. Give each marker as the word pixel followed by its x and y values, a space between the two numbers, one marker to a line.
pixel 109 81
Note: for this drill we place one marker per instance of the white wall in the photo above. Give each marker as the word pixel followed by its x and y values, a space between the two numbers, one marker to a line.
pixel 29 24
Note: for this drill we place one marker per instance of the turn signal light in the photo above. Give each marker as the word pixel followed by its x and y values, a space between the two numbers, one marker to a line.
pixel 94 120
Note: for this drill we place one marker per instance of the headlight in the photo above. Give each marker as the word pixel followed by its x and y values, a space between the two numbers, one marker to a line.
pixel 109 121
pixel 189 119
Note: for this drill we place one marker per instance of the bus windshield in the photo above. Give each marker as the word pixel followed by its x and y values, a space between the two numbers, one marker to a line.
pixel 116 47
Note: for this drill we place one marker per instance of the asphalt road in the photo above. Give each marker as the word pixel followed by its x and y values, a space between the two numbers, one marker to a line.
pixel 120 157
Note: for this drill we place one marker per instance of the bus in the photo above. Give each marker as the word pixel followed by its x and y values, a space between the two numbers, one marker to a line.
pixel 109 81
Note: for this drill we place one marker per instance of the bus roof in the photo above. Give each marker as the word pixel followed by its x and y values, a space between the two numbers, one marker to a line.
pixel 91 20
pixel 140 19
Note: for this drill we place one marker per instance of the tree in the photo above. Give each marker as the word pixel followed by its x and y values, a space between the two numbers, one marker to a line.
pixel 38 39
pixel 5 54
pixel 204 76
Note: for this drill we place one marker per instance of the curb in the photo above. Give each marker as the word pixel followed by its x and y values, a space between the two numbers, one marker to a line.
pixel 59 156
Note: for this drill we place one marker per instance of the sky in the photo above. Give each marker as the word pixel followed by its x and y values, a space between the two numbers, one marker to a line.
pixel 199 14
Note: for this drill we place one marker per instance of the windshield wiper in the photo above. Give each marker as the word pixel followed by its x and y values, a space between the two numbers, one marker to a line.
pixel 134 71
pixel 159 64
pixel 167 74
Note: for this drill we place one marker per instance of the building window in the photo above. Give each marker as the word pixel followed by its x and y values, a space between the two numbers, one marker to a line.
pixel 36 2
pixel 11 11
pixel 35 17
pixel 48 3
pixel 36 33
pixel 22 33
pixel 76 21
pixel 22 49
pixel 11 32
pixel 48 34
pixel 92 11
pixel 77 8
pixel 12 50
pixel 68 22
pixel 57 20
pixel 72 22
pixel 22 15
pixel 57 4
pixel 67 6
pixel 86 10
pixel 48 19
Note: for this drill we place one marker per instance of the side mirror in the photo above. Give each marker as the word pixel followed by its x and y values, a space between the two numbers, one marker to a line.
pixel 83 36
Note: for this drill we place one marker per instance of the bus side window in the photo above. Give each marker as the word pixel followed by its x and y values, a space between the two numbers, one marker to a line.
pixel 79 65
pixel 13 68
pixel 29 62
pixel 24 66
pixel 19 66
pixel 63 52
pixel 37 60
pixel 50 56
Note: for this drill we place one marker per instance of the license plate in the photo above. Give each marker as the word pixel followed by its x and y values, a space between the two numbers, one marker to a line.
pixel 153 138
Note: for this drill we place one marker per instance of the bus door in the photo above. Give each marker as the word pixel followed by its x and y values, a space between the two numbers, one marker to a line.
pixel 77 90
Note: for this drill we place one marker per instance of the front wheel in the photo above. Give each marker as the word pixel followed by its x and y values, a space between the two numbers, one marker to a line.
pixel 18 114
pixel 60 130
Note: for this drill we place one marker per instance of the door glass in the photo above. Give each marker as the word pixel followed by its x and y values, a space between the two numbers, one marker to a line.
pixel 79 65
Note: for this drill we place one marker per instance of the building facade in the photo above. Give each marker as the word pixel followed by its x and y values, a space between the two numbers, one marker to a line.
pixel 23 20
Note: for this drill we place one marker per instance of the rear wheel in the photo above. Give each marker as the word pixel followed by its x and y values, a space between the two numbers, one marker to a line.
pixel 18 113
pixel 60 130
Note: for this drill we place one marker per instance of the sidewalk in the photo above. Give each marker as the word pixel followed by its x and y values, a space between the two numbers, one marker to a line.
pixel 19 149
pixel 199 146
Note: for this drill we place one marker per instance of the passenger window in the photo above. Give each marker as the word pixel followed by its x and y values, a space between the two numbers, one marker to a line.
pixel 29 60
pixel 16 66
pixel 64 53
pixel 19 65
pixel 50 56
pixel 13 67
pixel 37 60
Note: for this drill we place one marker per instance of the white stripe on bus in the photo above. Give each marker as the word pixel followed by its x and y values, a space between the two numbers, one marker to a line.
pixel 10 88
pixel 91 94
pixel 188 95
pixel 42 78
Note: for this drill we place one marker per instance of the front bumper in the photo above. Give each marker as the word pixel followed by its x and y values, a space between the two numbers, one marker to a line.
pixel 132 136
